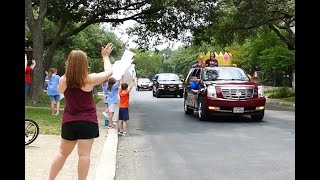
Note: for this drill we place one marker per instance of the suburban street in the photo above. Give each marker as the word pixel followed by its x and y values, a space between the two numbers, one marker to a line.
pixel 165 144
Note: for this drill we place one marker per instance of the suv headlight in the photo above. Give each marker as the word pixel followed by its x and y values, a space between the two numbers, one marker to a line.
pixel 260 91
pixel 212 91
pixel 161 85
pixel 180 85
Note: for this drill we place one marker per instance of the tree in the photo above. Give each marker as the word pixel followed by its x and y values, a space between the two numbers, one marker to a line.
pixel 277 58
pixel 89 40
pixel 147 63
pixel 167 17
pixel 35 25
pixel 239 19
pixel 248 54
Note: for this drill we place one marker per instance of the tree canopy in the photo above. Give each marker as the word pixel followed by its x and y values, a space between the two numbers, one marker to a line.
pixel 240 19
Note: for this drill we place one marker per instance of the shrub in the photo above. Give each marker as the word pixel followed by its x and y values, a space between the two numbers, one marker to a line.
pixel 283 92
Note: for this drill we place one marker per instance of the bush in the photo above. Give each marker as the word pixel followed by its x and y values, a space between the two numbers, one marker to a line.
pixel 282 92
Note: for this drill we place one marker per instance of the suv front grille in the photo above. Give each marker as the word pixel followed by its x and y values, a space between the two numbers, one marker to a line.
pixel 237 92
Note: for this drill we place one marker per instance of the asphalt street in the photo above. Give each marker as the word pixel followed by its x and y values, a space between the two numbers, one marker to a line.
pixel 165 144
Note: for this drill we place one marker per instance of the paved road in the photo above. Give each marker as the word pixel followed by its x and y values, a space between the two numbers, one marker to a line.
pixel 165 144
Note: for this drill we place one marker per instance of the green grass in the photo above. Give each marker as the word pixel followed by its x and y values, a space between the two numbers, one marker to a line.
pixel 46 101
pixel 48 123
pixel 283 94
pixel 290 99
pixel 41 113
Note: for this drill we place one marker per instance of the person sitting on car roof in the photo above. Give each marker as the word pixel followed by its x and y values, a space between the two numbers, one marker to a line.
pixel 200 61
pixel 212 61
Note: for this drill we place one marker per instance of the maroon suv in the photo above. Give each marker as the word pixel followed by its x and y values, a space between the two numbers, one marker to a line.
pixel 222 91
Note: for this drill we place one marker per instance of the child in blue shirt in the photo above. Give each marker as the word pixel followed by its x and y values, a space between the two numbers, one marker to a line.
pixel 52 90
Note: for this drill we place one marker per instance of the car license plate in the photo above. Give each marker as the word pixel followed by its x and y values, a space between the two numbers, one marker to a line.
pixel 238 110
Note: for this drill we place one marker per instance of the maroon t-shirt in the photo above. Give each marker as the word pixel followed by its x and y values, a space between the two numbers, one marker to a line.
pixel 211 62
pixel 79 106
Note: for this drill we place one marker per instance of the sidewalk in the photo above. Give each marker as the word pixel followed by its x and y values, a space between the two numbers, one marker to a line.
pixel 39 154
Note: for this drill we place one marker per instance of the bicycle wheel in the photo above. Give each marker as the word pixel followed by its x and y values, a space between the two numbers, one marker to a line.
pixel 31 131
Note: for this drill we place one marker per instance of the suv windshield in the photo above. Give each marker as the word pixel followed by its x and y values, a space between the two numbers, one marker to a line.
pixel 224 74
pixel 168 77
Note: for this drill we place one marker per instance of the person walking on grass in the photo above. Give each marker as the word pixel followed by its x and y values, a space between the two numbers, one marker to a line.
pixel 79 119
pixel 52 90
pixel 124 91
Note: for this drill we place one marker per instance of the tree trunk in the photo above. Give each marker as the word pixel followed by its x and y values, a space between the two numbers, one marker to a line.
pixel 294 79
pixel 48 59
pixel 95 92
pixel 37 75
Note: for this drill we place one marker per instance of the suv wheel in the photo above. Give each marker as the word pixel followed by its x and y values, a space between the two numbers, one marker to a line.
pixel 202 113
pixel 258 117
pixel 153 94
pixel 157 93
pixel 187 110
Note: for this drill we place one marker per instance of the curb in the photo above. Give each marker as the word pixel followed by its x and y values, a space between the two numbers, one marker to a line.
pixel 106 168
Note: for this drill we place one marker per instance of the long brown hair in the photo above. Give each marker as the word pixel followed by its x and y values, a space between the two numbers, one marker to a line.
pixel 77 69
pixel 111 82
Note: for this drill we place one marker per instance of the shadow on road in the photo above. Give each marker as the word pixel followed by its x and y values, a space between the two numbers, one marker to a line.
pixel 225 119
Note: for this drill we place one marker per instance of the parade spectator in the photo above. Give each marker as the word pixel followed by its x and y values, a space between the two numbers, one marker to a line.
pixel 124 91
pixel 29 66
pixel 52 90
pixel 79 120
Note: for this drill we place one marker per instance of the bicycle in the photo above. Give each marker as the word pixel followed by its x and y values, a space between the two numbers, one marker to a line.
pixel 31 131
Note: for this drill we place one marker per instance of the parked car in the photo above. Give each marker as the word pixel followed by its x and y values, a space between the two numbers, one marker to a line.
pixel 223 91
pixel 167 84
pixel 144 83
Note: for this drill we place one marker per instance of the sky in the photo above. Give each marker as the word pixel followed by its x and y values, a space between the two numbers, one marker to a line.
pixel 120 31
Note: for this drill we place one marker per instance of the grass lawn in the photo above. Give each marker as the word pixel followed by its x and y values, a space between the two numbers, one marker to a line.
pixel 46 101
pixel 290 99
pixel 48 124
pixel 287 99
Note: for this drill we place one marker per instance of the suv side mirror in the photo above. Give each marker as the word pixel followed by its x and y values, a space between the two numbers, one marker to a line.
pixel 153 79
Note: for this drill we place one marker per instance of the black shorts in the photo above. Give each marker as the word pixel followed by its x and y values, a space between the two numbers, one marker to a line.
pixel 79 130
pixel 124 114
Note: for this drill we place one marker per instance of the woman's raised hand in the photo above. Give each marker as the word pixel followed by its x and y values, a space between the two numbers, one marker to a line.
pixel 106 50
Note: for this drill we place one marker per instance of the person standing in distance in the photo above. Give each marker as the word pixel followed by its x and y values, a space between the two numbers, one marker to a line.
pixel 79 119
pixel 29 66
pixel 52 90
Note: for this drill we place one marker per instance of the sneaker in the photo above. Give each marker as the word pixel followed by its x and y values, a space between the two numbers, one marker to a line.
pixel 124 134
pixel 120 133
pixel 56 114
pixel 105 114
